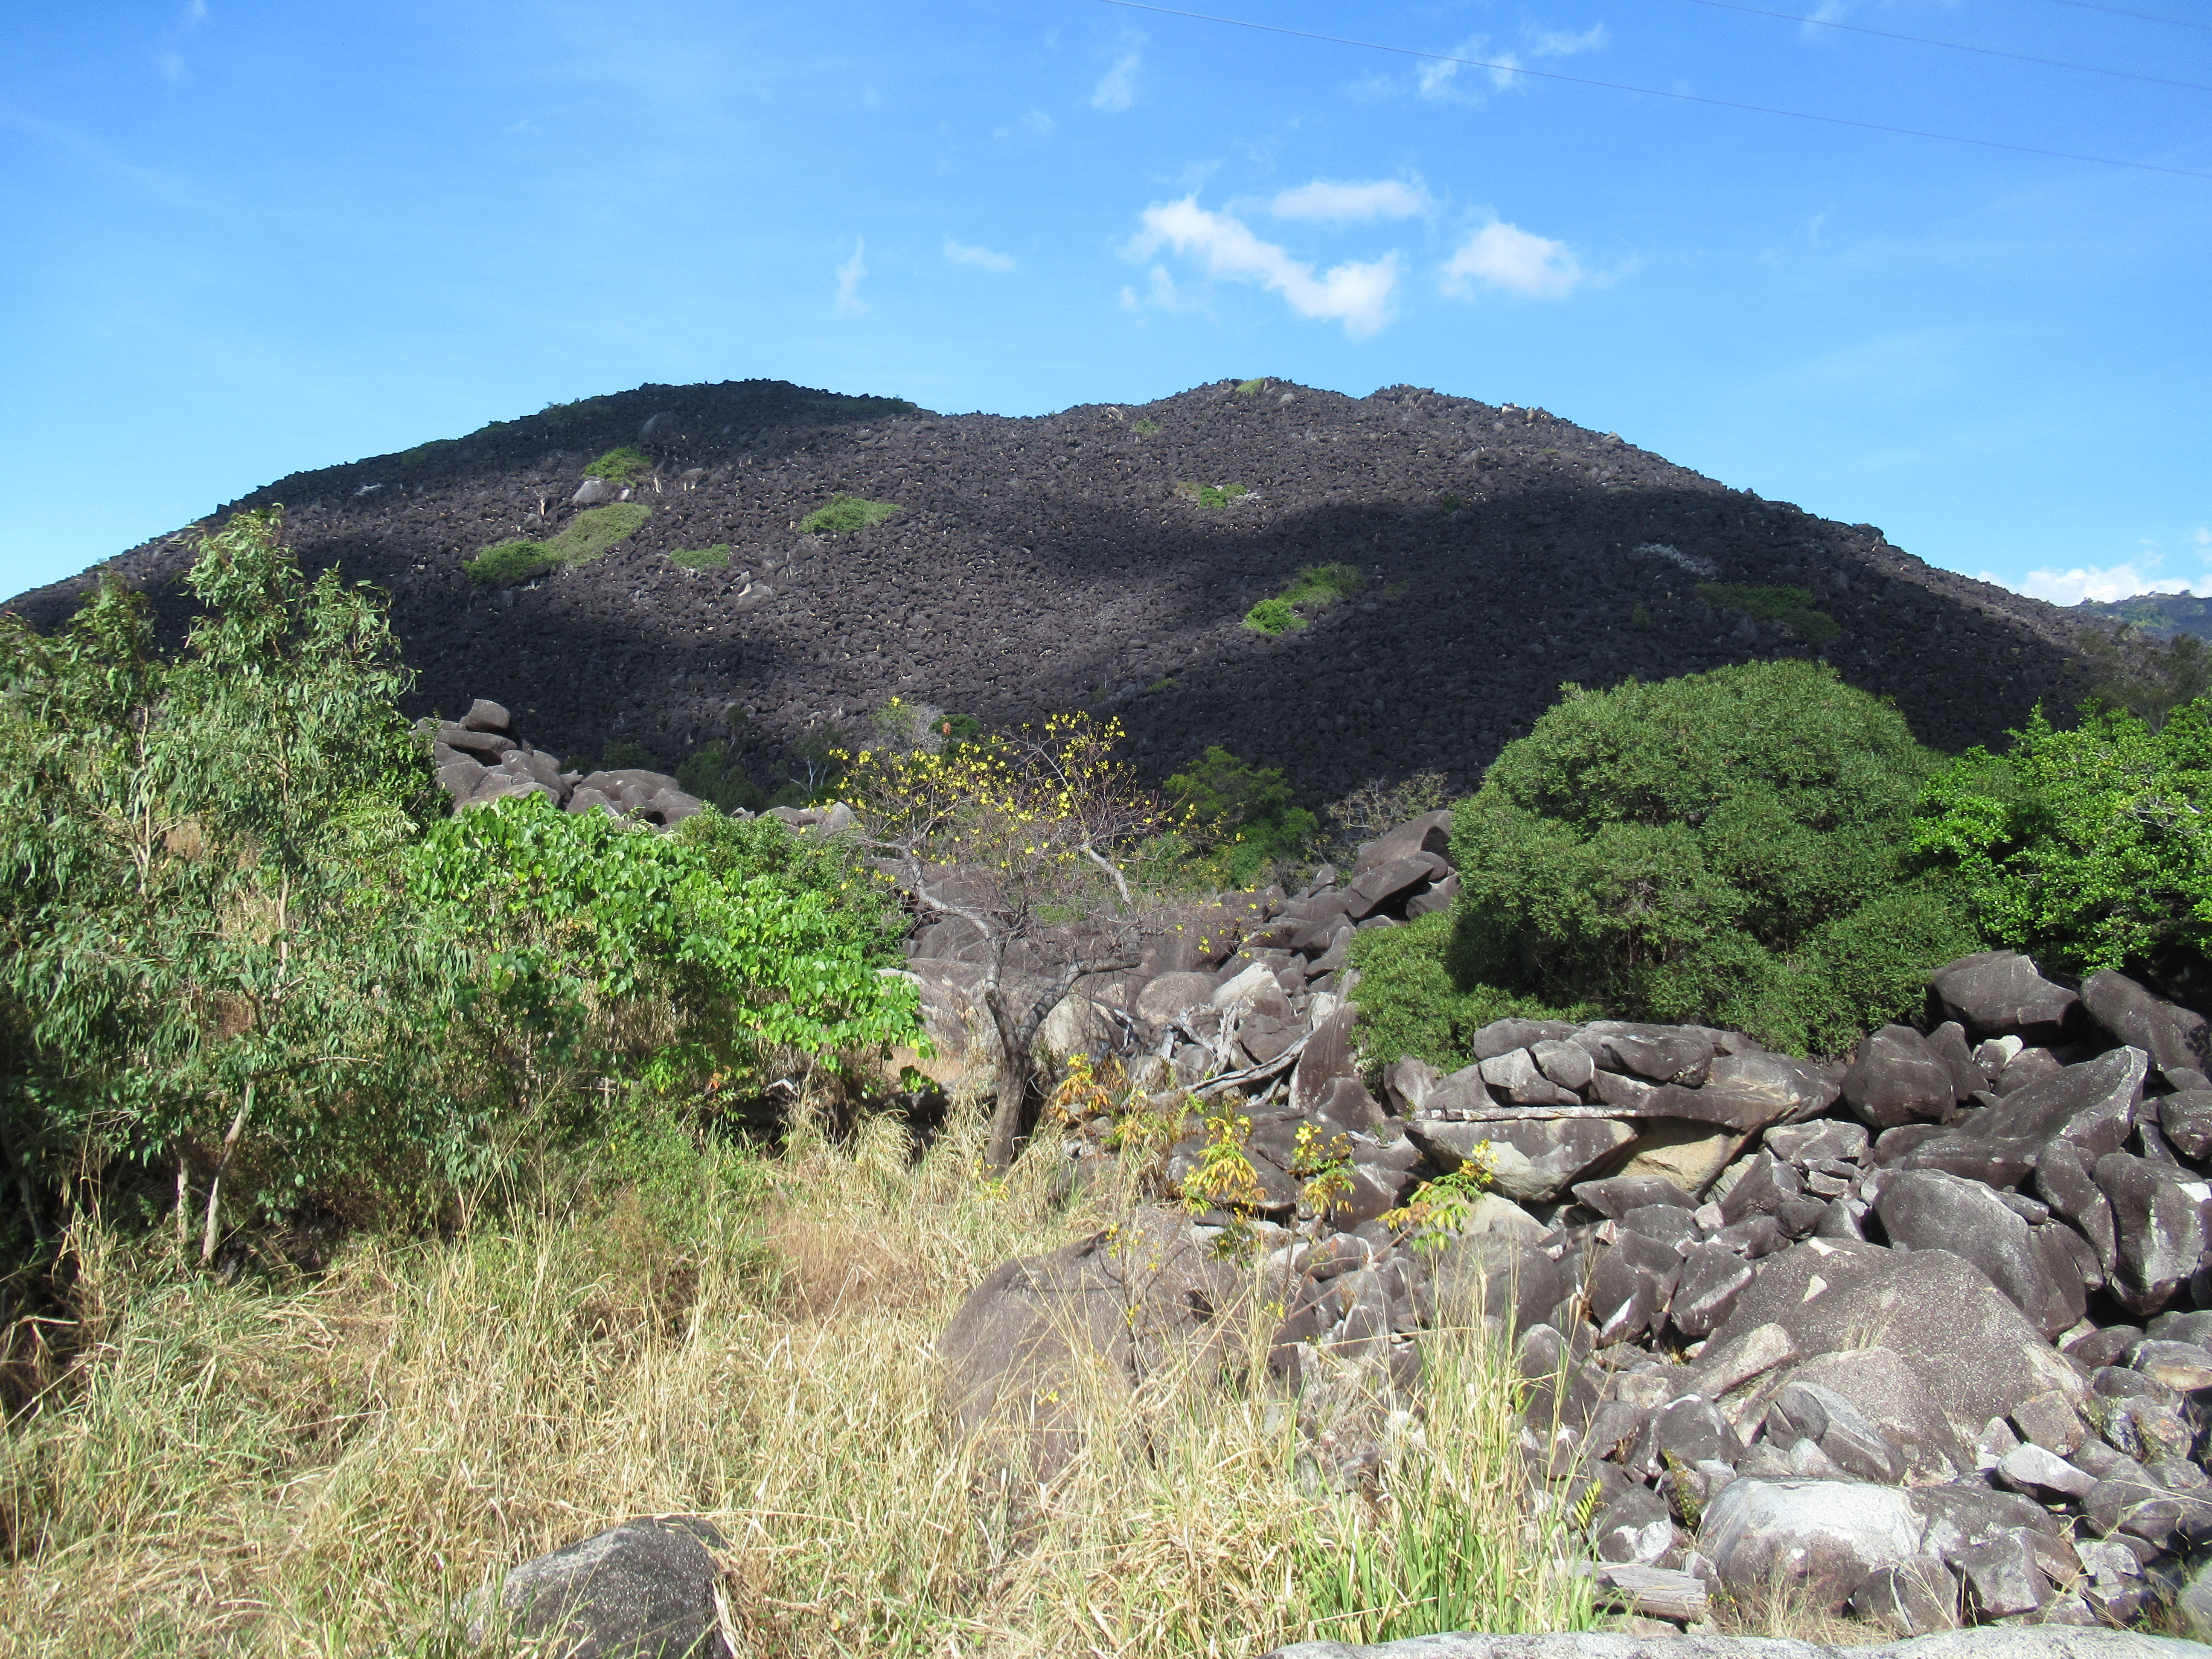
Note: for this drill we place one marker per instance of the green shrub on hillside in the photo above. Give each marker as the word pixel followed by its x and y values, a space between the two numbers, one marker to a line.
pixel 1415 999
pixel 1792 606
pixel 1312 590
pixel 2087 849
pixel 1728 848
pixel 716 557
pixel 584 537
pixel 1241 815
pixel 623 465
pixel 840 515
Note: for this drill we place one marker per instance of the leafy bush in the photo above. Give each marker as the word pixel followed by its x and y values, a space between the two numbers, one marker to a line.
pixel 1703 849
pixel 584 537
pixel 1417 997
pixel 716 557
pixel 1251 388
pixel 716 778
pixel 2086 849
pixel 623 465
pixel 840 515
pixel 1791 606
pixel 676 958
pixel 1240 814
pixel 1273 616
pixel 2144 677
pixel 1143 428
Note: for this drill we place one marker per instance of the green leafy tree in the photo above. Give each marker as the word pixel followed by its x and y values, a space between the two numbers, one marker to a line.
pixel 1242 815
pixel 189 850
pixel 2087 849
pixel 1700 849
pixel 2147 677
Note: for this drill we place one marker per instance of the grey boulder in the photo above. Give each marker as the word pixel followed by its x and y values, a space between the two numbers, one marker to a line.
pixel 1999 992
pixel 1819 1539
pixel 1896 1078
pixel 1973 1349
pixel 1532 1160
pixel 2134 1015
pixel 644 1590
pixel 1932 1209
pixel 2093 1105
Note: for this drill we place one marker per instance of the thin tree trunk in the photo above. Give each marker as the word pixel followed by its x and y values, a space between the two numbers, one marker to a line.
pixel 1014 1042
pixel 222 1167
pixel 21 1171
pixel 184 1204
pixel 1013 1082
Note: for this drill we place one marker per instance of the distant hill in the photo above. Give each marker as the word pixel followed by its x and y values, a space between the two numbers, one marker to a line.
pixel 1107 558
pixel 2163 616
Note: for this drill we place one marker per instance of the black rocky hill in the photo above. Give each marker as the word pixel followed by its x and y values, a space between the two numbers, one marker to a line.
pixel 1065 561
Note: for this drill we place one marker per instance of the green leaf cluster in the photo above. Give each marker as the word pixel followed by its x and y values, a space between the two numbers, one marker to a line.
pixel 1419 997
pixel 584 537
pixel 673 957
pixel 840 515
pixel 716 557
pixel 1791 606
pixel 1733 847
pixel 2089 848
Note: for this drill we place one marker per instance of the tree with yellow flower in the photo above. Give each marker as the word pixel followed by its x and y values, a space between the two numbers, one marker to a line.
pixel 1024 836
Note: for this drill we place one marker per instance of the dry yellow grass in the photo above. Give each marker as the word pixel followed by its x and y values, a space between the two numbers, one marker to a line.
pixel 321 1468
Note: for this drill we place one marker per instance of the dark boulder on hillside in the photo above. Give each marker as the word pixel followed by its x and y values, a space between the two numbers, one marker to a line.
pixel 1073 561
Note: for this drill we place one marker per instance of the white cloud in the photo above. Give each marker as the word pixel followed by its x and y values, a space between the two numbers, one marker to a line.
pixel 1356 292
pixel 1558 43
pixel 1325 201
pixel 1440 80
pixel 981 257
pixel 2102 582
pixel 1117 88
pixel 848 279
pixel 1506 257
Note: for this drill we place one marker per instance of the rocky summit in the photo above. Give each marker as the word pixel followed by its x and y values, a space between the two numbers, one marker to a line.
pixel 1108 557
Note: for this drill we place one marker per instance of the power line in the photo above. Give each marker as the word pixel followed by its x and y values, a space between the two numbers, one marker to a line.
pixel 2140 17
pixel 1657 92
pixel 1953 46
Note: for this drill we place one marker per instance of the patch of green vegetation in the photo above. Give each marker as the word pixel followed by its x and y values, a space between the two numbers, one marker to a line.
pixel 623 465
pixel 1143 428
pixel 840 515
pixel 1447 501
pixel 1640 618
pixel 1417 997
pixel 1167 684
pixel 716 557
pixel 1251 388
pixel 1792 606
pixel 508 562
pixel 1215 496
pixel 1314 589
pixel 584 537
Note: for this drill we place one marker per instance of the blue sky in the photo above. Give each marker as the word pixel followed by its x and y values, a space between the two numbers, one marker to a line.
pixel 245 237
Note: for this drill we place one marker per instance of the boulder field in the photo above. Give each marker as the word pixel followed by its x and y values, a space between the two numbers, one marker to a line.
pixel 1104 557
pixel 1923 1335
